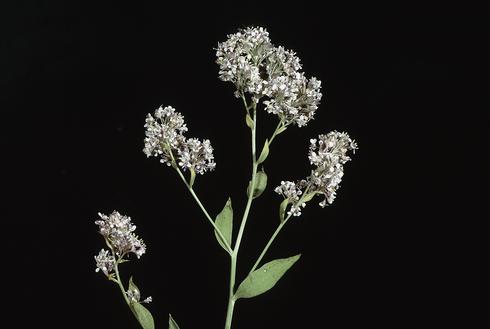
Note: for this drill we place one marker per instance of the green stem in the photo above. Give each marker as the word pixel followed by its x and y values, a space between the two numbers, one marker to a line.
pixel 234 255
pixel 118 278
pixel 279 126
pixel 231 298
pixel 276 232
pixel 266 248
pixel 252 184
pixel 189 187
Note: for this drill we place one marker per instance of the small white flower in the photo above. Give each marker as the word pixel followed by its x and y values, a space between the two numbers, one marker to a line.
pixel 104 262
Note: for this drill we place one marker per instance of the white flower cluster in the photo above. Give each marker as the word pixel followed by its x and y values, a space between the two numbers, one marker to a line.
pixel 328 154
pixel 104 262
pixel 249 60
pixel 165 138
pixel 118 230
pixel 292 192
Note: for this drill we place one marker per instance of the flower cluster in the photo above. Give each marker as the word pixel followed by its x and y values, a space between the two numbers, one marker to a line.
pixel 241 59
pixel 118 231
pixel 165 139
pixel 328 154
pixel 291 192
pixel 257 67
pixel 104 262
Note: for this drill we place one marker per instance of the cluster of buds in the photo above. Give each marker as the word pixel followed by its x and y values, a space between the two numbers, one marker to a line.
pixel 257 67
pixel 164 131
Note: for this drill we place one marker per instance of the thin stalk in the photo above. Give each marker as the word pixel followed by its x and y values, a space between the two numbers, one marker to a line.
pixel 279 126
pixel 118 279
pixel 250 197
pixel 211 221
pixel 231 298
pixel 269 243
pixel 234 255
pixel 276 232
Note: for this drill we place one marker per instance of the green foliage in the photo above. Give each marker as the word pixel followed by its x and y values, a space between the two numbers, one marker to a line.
pixel 260 184
pixel 141 313
pixel 264 153
pixel 264 278
pixel 249 121
pixel 224 221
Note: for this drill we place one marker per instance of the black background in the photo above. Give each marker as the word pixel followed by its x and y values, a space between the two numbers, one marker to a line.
pixel 77 82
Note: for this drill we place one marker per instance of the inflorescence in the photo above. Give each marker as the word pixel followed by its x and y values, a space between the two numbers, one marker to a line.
pixel 165 139
pixel 257 67
pixel 328 154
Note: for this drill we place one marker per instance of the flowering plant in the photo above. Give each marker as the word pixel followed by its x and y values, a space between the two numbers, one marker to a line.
pixel 264 75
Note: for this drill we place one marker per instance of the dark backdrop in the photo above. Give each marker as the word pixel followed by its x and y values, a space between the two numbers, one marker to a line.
pixel 77 82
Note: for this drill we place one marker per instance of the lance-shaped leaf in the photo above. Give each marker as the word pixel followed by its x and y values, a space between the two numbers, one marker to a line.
pixel 249 121
pixel 171 323
pixel 264 153
pixel 259 186
pixel 264 278
pixel 224 221
pixel 141 313
pixel 133 287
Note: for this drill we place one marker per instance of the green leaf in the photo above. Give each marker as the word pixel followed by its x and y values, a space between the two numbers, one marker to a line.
pixel 264 278
pixel 132 286
pixel 282 209
pixel 193 177
pixel 264 153
pixel 171 323
pixel 224 221
pixel 249 121
pixel 143 315
pixel 260 184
